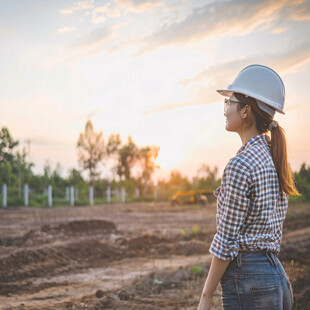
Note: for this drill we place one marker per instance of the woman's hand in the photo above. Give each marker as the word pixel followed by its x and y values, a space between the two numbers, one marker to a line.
pixel 205 303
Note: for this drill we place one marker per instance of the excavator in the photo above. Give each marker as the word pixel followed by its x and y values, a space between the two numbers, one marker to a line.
pixel 198 196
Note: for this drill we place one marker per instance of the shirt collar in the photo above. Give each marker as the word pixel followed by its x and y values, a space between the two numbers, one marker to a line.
pixel 259 139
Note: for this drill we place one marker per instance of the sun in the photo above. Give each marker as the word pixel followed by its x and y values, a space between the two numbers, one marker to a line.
pixel 168 157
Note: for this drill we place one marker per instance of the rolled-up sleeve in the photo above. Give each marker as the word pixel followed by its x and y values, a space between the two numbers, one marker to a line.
pixel 235 200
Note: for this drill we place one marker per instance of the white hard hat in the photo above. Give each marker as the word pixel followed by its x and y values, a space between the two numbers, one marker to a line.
pixel 261 83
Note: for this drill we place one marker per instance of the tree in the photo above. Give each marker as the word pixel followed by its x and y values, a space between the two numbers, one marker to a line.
pixel 147 156
pixel 7 144
pixel 90 150
pixel 128 155
pixel 22 168
pixel 206 178
pixel 75 177
pixel 113 147
pixel 303 182
pixel 178 181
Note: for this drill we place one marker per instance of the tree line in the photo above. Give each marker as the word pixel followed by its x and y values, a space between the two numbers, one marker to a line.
pixel 132 168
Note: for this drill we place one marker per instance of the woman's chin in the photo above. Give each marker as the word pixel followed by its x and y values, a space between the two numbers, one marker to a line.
pixel 227 127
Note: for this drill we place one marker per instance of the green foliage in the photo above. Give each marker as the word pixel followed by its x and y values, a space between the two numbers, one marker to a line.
pixel 302 180
pixel 183 232
pixel 197 270
pixel 157 282
pixel 91 150
pixel 134 168
pixel 195 230
pixel 128 156
pixel 7 144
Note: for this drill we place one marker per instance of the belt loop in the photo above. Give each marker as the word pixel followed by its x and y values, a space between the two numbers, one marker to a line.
pixel 270 258
pixel 239 261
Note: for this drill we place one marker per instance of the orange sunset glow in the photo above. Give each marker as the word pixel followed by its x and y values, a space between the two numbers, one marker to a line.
pixel 149 70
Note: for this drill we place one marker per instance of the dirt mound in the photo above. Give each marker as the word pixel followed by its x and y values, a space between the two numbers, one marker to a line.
pixel 28 287
pixel 48 233
pixel 143 242
pixel 50 261
pixel 24 264
pixel 78 227
pixel 154 245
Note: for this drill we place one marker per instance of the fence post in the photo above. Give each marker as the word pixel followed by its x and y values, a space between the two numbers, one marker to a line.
pixel 123 194
pixel 26 195
pixel 4 197
pixel 72 195
pixel 137 192
pixel 109 194
pixel 91 195
pixel 50 199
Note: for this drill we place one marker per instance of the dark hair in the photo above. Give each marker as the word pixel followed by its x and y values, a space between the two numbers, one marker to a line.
pixel 278 144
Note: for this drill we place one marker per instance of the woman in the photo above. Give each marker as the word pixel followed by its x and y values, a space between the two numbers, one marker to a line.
pixel 252 200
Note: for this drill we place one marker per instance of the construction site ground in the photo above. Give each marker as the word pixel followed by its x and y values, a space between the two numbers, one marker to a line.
pixel 125 256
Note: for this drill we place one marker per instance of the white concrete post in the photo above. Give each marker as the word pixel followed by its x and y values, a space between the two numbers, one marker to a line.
pixel 91 195
pixel 4 197
pixel 50 199
pixel 26 195
pixel 137 192
pixel 123 194
pixel 67 193
pixel 109 194
pixel 72 195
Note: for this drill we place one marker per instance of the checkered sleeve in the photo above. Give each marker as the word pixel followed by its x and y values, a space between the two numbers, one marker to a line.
pixel 234 206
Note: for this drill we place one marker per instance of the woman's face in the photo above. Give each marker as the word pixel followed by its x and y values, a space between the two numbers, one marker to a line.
pixel 234 121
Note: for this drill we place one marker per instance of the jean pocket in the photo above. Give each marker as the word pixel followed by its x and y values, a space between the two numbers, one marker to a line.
pixel 266 297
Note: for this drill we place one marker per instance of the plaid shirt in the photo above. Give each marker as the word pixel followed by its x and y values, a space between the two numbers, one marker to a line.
pixel 251 207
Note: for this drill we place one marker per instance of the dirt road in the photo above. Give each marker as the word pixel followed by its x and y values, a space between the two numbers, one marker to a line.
pixel 124 256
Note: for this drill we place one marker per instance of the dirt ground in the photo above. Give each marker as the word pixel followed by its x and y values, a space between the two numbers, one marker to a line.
pixel 125 256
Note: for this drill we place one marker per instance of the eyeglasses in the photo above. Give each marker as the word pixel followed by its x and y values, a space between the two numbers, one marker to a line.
pixel 228 101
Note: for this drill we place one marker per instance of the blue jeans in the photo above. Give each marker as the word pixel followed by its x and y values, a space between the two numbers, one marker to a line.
pixel 256 280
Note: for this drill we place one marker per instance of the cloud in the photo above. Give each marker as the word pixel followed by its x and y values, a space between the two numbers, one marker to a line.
pixel 302 13
pixel 94 37
pixel 100 13
pixel 279 30
pixel 138 5
pixel 79 6
pixel 220 18
pixel 66 29
pixel 219 76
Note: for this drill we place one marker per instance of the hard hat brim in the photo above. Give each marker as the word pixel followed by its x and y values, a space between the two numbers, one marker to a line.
pixel 225 92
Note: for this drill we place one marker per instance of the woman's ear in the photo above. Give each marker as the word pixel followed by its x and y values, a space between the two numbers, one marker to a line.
pixel 246 111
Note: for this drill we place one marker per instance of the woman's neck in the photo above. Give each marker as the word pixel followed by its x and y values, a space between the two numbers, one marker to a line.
pixel 248 135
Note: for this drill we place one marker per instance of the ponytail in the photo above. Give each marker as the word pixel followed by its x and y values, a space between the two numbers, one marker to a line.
pixel 279 156
pixel 278 144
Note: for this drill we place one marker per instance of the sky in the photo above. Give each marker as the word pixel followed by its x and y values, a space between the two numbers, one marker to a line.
pixel 148 69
